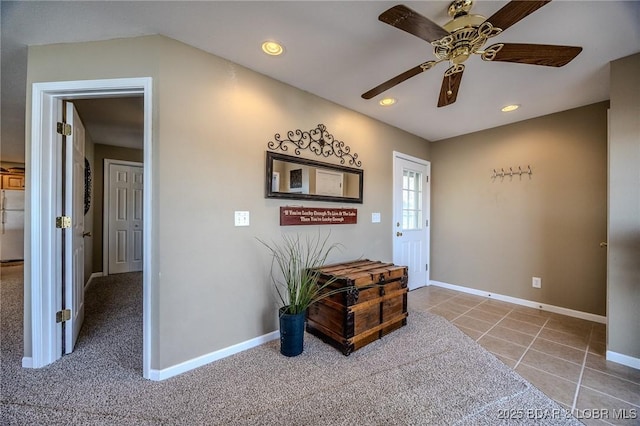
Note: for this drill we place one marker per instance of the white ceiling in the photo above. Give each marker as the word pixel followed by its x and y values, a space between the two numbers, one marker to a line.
pixel 338 50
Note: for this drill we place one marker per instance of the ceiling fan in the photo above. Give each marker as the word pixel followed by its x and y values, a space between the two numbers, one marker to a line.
pixel 466 35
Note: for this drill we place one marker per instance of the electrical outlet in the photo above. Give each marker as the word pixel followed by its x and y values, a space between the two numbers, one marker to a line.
pixel 536 282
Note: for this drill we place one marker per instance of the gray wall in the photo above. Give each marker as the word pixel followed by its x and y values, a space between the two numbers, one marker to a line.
pixel 212 121
pixel 623 278
pixel 496 234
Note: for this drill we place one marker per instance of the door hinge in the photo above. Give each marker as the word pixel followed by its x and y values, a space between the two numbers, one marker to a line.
pixel 426 267
pixel 427 179
pixel 63 222
pixel 63 128
pixel 63 315
pixel 427 223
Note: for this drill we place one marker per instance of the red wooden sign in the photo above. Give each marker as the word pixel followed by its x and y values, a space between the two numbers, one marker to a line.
pixel 317 216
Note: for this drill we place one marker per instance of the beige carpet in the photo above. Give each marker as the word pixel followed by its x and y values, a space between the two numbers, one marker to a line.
pixel 425 373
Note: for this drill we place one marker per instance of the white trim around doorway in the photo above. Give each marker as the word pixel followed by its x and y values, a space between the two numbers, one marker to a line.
pixel 41 262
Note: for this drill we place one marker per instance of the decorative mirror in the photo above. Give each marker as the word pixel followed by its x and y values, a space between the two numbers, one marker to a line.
pixel 298 178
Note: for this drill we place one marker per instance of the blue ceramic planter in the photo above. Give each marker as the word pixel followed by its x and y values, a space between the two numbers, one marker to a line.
pixel 291 333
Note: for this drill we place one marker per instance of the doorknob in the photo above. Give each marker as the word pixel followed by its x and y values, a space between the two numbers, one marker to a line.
pixel 603 244
pixel 398 234
pixel 86 234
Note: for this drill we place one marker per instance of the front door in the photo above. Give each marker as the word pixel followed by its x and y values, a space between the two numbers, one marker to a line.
pixel 125 217
pixel 73 237
pixel 411 192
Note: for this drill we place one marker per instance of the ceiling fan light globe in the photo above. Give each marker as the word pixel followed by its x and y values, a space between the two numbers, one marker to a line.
pixel 460 55
pixel 459 59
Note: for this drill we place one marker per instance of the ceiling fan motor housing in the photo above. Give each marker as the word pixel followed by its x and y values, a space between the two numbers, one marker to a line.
pixel 468 33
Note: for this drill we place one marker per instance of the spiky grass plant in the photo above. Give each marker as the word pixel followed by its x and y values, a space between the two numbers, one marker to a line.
pixel 294 273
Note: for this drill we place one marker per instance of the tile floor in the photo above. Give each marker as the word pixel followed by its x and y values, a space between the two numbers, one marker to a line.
pixel 560 355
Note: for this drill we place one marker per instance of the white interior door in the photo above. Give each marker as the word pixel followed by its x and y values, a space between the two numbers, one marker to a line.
pixel 73 238
pixel 125 223
pixel 329 183
pixel 411 193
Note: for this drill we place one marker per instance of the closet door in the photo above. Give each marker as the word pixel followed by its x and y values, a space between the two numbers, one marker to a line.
pixel 125 218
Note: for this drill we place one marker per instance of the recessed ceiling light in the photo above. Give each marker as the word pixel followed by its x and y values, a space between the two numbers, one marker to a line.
pixel 387 101
pixel 510 108
pixel 272 48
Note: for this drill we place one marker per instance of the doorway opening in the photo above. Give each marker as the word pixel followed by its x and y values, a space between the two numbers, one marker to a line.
pixel 44 266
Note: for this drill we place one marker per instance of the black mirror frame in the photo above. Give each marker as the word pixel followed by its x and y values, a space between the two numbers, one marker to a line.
pixel 269 193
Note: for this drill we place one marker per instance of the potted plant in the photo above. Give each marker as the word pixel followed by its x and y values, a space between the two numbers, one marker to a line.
pixel 296 282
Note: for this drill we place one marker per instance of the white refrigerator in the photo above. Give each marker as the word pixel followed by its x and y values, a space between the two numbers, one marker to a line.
pixel 12 227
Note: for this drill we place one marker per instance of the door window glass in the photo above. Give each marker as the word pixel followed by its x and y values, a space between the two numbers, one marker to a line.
pixel 411 200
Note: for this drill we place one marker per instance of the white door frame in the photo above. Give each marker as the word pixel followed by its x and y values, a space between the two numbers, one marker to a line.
pixel 43 260
pixel 426 202
pixel 105 208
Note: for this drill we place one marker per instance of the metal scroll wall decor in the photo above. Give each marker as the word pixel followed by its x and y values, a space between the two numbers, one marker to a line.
pixel 319 141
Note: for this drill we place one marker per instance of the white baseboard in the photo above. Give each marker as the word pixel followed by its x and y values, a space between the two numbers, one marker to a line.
pixel 191 364
pixel 627 360
pixel 27 362
pixel 536 305
pixel 94 275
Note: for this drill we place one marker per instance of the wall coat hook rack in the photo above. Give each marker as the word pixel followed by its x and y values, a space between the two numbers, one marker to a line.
pixel 502 172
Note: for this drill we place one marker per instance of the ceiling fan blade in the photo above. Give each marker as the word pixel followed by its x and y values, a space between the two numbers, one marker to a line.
pixel 534 54
pixel 398 79
pixel 450 85
pixel 409 20
pixel 515 11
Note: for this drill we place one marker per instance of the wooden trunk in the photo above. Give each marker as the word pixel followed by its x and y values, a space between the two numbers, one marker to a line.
pixel 356 317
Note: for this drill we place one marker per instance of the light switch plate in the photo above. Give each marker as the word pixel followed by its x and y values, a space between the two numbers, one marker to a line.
pixel 375 217
pixel 241 218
